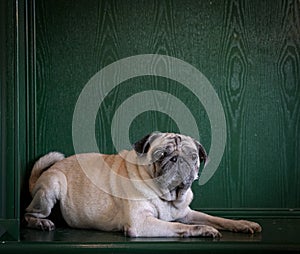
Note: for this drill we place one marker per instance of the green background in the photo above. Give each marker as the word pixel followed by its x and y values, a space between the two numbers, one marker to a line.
pixel 248 50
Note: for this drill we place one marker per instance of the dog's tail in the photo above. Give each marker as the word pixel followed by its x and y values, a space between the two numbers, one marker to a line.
pixel 41 165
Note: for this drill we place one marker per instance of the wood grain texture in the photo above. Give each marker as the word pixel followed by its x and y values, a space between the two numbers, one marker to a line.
pixel 249 51
pixel 235 67
pixel 7 109
pixel 288 65
pixel 64 54
pixel 13 113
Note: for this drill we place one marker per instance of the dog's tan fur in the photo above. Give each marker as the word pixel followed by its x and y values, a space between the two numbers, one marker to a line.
pixel 119 193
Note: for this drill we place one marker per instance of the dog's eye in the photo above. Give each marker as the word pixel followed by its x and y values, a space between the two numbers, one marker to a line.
pixel 159 155
pixel 194 156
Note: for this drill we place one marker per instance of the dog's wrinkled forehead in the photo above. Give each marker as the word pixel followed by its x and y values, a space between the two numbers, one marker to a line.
pixel 173 142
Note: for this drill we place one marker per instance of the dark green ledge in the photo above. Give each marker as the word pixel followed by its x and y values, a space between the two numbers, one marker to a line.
pixel 279 235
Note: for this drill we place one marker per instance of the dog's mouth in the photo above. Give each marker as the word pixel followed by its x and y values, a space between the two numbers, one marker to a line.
pixel 180 189
pixel 172 193
pixel 175 194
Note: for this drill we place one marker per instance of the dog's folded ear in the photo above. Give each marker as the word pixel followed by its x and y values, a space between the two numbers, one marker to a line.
pixel 202 153
pixel 142 146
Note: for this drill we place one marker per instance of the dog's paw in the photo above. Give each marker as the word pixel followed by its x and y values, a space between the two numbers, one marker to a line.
pixel 205 231
pixel 245 226
pixel 42 224
pixel 46 225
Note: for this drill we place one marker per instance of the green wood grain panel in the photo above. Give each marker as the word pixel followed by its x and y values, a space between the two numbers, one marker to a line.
pixel 13 114
pixel 249 51
pixel 235 68
pixel 7 107
pixel 289 91
pixel 3 59
pixel 256 146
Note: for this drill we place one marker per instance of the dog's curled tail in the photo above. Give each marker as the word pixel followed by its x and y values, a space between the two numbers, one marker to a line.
pixel 41 165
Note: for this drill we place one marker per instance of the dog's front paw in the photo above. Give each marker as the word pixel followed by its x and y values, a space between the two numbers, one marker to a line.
pixel 43 224
pixel 245 226
pixel 205 231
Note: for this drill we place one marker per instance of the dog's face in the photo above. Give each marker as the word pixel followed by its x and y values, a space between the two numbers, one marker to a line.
pixel 175 160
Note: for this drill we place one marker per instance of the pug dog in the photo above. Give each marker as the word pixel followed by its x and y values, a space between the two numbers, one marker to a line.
pixel 145 192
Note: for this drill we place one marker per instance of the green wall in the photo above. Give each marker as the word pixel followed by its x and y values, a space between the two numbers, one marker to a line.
pixel 248 50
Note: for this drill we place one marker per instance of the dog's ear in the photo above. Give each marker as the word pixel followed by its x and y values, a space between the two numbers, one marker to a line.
pixel 202 153
pixel 142 146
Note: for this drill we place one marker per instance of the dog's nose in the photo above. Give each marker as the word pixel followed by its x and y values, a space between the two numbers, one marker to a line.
pixel 174 159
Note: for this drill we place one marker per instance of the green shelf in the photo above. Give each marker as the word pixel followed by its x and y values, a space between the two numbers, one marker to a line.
pixel 278 235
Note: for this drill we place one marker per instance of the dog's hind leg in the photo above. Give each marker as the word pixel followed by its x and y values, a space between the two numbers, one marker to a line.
pixel 48 189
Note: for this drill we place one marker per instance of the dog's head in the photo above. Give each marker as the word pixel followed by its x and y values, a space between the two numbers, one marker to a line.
pixel 174 160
